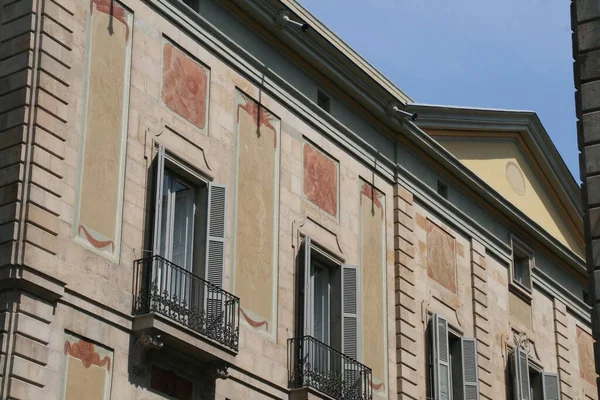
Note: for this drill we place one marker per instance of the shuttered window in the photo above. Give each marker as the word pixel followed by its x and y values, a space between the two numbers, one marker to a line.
pixel 215 249
pixel 330 294
pixel 470 381
pixel 551 387
pixel 520 374
pixel 350 291
pixel 441 358
pixel 178 200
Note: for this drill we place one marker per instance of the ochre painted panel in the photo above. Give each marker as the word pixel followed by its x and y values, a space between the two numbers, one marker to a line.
pixel 185 86
pixel 257 135
pixel 102 153
pixel 87 370
pixel 503 165
pixel 373 285
pixel 320 179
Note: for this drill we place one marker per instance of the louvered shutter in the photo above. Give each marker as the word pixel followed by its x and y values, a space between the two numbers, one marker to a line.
pixel 215 254
pixel 308 298
pixel 215 249
pixel 158 274
pixel 470 381
pixel 551 387
pixel 158 192
pixel 353 380
pixel 441 358
pixel 520 374
pixel 350 308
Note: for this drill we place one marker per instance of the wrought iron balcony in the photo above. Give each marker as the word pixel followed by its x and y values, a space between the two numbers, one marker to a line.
pixel 165 288
pixel 312 363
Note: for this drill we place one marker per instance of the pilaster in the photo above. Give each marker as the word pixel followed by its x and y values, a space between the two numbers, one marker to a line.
pixel 481 321
pixel 407 315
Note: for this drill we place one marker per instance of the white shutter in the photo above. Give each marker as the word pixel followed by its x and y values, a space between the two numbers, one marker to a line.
pixel 158 192
pixel 470 381
pixel 308 303
pixel 551 386
pixel 520 374
pixel 350 311
pixel 215 249
pixel 441 358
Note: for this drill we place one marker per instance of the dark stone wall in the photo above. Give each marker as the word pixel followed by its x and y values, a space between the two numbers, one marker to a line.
pixel 585 23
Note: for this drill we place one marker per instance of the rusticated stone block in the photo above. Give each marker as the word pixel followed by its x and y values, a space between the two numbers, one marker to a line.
pixel 586 10
pixel 588 35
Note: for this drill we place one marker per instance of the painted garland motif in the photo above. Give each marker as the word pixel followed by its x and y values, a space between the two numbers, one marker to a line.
pixel 85 352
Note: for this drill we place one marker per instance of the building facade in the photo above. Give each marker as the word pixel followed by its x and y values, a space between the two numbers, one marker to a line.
pixel 223 200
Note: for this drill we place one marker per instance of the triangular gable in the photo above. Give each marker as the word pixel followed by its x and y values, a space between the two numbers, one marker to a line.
pixel 508 166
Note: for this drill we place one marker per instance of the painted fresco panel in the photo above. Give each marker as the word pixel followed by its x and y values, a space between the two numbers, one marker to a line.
pixel 585 350
pixel 185 86
pixel 87 370
pixel 320 179
pixel 441 256
pixel 373 285
pixel 257 196
pixel 103 144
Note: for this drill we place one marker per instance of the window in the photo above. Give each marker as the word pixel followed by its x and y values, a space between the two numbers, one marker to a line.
pixel 170 383
pixel 521 265
pixel 189 227
pixel 529 382
pixel 323 101
pixel 453 363
pixel 442 189
pixel 330 299
pixel 329 323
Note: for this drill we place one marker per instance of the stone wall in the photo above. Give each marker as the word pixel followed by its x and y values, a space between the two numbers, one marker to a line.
pixel 585 23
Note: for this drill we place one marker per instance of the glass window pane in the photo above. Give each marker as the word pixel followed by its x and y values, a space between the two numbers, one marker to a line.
pixel 321 304
pixel 164 224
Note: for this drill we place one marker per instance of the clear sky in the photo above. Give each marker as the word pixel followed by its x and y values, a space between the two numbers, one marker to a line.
pixel 513 54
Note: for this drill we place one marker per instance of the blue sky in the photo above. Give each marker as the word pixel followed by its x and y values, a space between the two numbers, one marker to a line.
pixel 513 54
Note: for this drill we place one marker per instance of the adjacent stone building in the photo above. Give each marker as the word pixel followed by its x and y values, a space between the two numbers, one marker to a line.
pixel 585 23
pixel 221 199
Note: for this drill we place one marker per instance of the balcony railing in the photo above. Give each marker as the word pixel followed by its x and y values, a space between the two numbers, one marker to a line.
pixel 165 288
pixel 312 363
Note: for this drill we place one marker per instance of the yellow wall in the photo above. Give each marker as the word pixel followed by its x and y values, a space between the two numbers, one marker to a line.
pixel 489 158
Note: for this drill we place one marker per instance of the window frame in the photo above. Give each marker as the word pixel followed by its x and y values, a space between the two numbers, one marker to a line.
pixel 521 289
pixel 455 339
pixel 170 366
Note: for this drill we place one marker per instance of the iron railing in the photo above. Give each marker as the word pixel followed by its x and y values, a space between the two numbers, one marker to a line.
pixel 165 288
pixel 314 364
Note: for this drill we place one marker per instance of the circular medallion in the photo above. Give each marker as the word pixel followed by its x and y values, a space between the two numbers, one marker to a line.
pixel 515 178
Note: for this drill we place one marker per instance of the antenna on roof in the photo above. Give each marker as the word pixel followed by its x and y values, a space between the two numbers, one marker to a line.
pixel 393 109
pixel 282 18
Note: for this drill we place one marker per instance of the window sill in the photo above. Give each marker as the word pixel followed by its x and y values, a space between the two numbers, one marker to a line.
pixel 524 293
